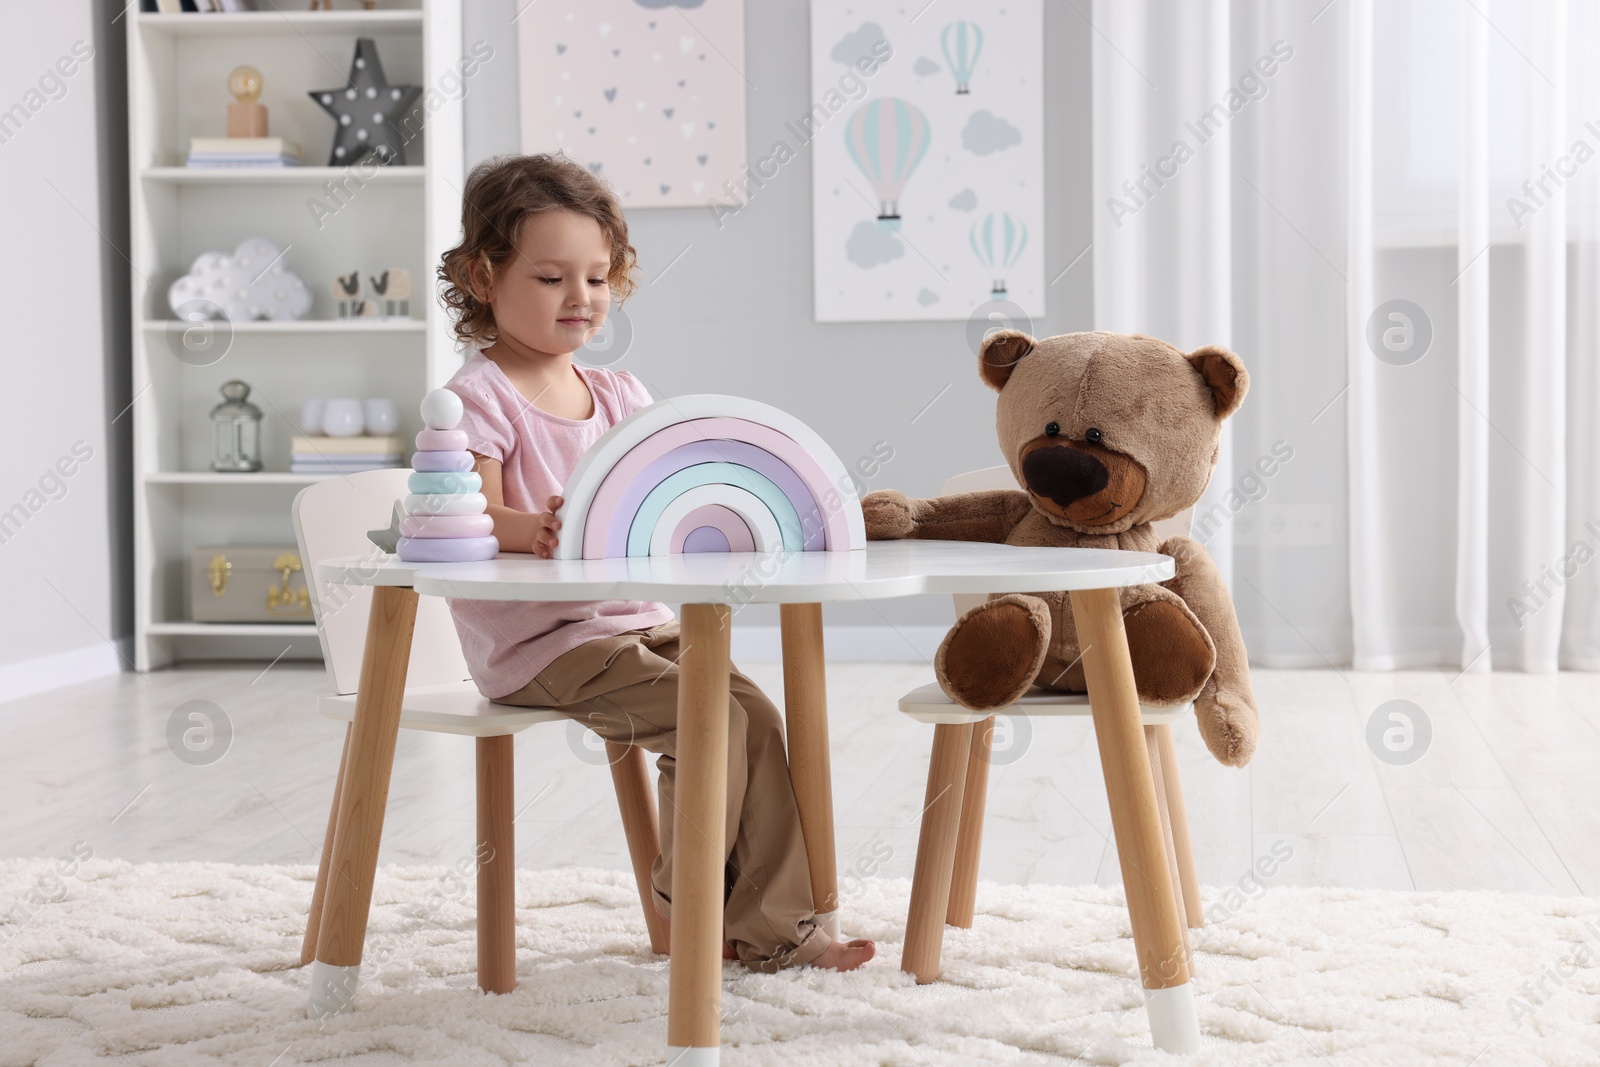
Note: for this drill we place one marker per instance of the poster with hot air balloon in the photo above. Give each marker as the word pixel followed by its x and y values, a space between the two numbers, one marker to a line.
pixel 927 159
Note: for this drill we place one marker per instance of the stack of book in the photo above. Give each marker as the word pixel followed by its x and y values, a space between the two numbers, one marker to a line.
pixel 174 7
pixel 243 152
pixel 345 455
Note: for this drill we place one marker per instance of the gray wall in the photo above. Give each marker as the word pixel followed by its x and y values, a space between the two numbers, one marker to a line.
pixel 734 314
pixel 64 297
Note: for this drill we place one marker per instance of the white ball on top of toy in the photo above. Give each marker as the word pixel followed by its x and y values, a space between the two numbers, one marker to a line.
pixel 445 514
pixel 441 410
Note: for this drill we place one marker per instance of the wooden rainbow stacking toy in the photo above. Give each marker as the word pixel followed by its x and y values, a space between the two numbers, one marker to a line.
pixel 445 517
pixel 709 473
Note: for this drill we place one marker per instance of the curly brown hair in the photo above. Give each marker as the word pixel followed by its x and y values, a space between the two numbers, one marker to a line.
pixel 501 193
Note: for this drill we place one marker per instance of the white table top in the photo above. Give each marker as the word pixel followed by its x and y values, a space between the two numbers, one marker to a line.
pixel 881 571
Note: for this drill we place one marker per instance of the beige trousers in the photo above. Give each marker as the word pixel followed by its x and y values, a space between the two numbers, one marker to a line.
pixel 625 689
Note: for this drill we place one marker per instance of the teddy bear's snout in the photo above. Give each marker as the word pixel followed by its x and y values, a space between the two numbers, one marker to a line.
pixel 1064 474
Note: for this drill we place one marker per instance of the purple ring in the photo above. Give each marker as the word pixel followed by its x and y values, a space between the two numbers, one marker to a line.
pixel 447 549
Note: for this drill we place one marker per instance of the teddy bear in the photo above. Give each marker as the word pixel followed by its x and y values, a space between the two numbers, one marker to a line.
pixel 1107 433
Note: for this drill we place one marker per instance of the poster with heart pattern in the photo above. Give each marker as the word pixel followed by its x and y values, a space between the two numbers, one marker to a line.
pixel 648 94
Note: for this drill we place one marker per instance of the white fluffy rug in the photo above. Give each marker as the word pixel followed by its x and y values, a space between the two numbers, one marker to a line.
pixel 198 964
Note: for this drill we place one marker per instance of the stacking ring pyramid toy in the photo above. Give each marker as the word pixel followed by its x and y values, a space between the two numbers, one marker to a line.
pixel 445 518
pixel 709 473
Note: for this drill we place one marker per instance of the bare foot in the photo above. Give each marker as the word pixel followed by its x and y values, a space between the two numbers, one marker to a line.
pixel 846 956
pixel 728 952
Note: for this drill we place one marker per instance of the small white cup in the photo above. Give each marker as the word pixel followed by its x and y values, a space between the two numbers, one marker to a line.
pixel 311 416
pixel 342 417
pixel 382 417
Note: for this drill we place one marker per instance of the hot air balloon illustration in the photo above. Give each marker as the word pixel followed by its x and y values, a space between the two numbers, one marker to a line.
pixel 998 240
pixel 961 41
pixel 887 138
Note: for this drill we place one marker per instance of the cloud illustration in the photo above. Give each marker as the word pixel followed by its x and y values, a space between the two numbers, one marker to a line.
pixel 854 46
pixel 927 296
pixel 924 67
pixel 965 200
pixel 250 283
pixel 868 245
pixel 987 132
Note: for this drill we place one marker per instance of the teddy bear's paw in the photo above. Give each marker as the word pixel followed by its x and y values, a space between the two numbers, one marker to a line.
pixel 888 515
pixel 1229 725
pixel 992 654
pixel 1171 657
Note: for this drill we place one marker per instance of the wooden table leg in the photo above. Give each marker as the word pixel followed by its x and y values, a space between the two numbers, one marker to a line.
pixel 805 702
pixel 308 947
pixel 496 857
pixel 694 1000
pixel 362 798
pixel 1158 933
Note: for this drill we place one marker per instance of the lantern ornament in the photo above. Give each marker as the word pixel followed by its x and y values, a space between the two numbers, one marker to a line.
pixel 235 431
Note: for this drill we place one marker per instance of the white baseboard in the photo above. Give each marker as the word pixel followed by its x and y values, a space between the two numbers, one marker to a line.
pixel 846 644
pixel 42 673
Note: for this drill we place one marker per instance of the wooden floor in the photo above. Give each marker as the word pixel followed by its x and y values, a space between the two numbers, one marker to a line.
pixel 1505 797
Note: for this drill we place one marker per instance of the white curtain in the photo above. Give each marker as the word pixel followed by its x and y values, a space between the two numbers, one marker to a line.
pixel 1392 212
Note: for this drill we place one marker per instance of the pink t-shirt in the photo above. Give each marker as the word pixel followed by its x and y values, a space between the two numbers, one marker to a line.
pixel 506 643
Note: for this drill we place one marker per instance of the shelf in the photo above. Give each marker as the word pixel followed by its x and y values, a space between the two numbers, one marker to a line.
pixel 408 175
pixel 218 478
pixel 267 326
pixel 192 24
pixel 232 629
pixel 176 68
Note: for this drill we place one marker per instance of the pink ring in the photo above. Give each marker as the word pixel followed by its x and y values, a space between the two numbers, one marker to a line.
pixel 446 525
pixel 441 462
pixel 720 518
pixel 441 440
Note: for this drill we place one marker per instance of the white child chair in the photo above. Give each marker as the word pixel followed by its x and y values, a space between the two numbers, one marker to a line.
pixel 944 883
pixel 331 519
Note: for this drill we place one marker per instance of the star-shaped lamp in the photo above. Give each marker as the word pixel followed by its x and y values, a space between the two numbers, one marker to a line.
pixel 366 111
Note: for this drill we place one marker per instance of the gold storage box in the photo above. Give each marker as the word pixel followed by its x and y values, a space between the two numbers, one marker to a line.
pixel 234 583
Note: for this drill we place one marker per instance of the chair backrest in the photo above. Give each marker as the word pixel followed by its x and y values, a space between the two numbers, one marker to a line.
pixel 331 518
pixel 1001 478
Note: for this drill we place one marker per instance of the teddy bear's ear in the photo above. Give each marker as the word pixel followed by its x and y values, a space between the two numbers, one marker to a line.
pixel 1000 354
pixel 1224 375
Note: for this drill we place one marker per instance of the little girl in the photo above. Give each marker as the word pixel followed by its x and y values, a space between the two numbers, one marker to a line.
pixel 544 245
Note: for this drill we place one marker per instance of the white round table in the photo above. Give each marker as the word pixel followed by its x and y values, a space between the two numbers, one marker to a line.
pixel 706 585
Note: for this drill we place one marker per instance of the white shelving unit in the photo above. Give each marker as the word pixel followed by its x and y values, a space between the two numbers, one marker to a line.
pixel 401 216
pixel 308 176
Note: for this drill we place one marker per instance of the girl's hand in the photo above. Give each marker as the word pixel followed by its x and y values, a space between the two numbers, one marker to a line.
pixel 546 531
pixel 518 531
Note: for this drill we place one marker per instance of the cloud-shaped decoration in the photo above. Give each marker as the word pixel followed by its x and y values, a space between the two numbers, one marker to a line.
pixel 924 67
pixel 927 296
pixel 987 132
pixel 854 46
pixel 657 5
pixel 965 200
pixel 251 283
pixel 870 245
